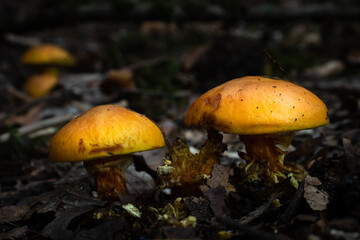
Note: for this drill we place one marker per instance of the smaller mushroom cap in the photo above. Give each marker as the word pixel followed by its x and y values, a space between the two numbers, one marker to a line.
pixel 257 105
pixel 103 131
pixel 47 54
pixel 41 84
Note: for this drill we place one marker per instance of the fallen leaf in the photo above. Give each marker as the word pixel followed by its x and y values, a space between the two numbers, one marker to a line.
pixel 139 182
pixel 216 197
pixel 193 56
pixel 27 118
pixel 107 230
pixel 12 213
pixel 328 69
pixel 219 176
pixel 118 79
pixel 15 233
pixel 317 199
pixel 57 229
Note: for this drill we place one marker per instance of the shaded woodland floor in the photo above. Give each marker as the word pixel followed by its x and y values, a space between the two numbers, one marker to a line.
pixel 170 53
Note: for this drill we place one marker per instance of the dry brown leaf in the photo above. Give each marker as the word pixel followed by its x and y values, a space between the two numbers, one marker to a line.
pixel 219 176
pixel 216 197
pixel 57 229
pixel 317 199
pixel 118 79
pixel 192 57
pixel 12 213
pixel 157 28
pixel 16 233
pixel 27 118
pixel 139 182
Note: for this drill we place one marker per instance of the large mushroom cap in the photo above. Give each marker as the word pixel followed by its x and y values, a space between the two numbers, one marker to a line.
pixel 47 54
pixel 257 105
pixel 103 131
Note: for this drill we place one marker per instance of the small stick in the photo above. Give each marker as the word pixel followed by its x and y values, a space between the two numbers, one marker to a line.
pixel 39 125
pixel 294 204
pixel 13 91
pixel 259 211
pixel 278 65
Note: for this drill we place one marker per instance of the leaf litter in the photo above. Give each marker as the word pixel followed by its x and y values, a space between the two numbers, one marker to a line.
pixel 50 200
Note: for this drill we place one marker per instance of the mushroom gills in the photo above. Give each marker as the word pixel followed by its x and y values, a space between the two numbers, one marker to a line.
pixel 265 158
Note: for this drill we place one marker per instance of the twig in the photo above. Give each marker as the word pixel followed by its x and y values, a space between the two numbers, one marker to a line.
pixel 21 40
pixel 39 125
pixel 294 204
pixel 13 91
pixel 278 65
pixel 259 211
pixel 251 231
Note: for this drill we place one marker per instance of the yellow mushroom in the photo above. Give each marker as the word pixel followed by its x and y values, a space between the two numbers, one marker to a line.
pixel 49 57
pixel 264 113
pixel 104 138
pixel 47 54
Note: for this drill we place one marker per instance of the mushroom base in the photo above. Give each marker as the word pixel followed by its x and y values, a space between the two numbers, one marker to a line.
pixel 265 158
pixel 109 175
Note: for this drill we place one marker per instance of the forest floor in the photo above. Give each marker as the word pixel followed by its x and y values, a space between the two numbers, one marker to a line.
pixel 163 65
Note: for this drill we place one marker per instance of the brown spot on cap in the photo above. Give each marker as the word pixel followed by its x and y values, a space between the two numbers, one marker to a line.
pixel 207 101
pixel 217 99
pixel 109 150
pixel 213 101
pixel 81 146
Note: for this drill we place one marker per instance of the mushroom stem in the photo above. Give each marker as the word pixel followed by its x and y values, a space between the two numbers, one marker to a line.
pixel 265 157
pixel 109 175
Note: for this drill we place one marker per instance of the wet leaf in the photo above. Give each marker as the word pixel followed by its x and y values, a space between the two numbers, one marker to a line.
pixel 317 199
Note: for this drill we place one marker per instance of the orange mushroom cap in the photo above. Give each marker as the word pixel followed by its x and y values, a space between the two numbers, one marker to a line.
pixel 257 105
pixel 102 131
pixel 41 84
pixel 47 54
